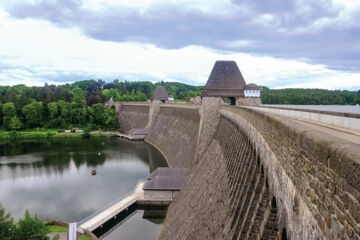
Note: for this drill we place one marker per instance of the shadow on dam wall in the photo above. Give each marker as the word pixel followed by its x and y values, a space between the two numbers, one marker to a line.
pixel 259 177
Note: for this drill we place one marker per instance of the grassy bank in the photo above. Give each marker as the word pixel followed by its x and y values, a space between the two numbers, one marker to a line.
pixel 58 229
pixel 34 134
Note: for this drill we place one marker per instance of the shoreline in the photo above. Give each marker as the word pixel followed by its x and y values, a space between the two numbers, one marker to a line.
pixel 10 135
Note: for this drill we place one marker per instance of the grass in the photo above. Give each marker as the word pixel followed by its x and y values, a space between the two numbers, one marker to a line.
pixel 32 134
pixel 84 238
pixel 56 228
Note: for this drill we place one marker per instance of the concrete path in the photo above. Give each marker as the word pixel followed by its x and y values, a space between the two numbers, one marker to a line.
pixel 114 209
pixel 343 133
pixel 63 235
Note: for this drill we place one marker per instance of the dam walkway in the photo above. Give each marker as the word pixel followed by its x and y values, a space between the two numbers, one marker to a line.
pixel 350 135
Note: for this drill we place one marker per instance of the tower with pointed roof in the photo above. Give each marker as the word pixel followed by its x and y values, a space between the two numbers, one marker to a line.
pixel 160 94
pixel 226 80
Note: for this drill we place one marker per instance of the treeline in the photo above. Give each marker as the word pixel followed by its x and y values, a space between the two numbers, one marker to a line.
pixel 142 91
pixel 300 96
pixel 80 104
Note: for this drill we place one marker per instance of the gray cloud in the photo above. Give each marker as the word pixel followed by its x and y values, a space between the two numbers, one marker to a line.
pixel 280 28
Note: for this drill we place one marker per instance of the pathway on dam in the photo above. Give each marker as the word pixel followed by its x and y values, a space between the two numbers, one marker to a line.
pixel 345 134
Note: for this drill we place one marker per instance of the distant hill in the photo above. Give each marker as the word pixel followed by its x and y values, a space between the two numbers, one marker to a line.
pixel 301 96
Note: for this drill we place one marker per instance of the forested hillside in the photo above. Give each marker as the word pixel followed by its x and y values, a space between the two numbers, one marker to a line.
pixel 80 104
pixel 302 96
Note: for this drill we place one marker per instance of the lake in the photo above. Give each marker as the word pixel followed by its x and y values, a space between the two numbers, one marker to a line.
pixel 53 177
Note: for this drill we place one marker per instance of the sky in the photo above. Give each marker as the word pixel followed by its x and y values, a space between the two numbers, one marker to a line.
pixel 276 43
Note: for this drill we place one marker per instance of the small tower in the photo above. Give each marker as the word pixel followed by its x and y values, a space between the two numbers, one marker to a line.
pixel 160 94
pixel 225 80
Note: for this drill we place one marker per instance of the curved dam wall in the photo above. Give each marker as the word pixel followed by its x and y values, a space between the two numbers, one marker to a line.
pixel 174 132
pixel 257 177
pixel 132 115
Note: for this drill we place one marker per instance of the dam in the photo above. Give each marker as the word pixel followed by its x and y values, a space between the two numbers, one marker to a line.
pixel 252 174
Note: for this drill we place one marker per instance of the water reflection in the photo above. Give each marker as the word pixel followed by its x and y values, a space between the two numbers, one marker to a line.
pixel 137 223
pixel 53 178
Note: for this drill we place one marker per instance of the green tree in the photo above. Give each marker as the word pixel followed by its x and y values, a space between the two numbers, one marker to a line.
pixel 33 114
pixel 9 111
pixel 31 228
pixel 64 108
pixel 108 93
pixel 53 110
pixel 112 121
pixel 7 225
pixel 15 123
pixel 99 114
pixel 79 96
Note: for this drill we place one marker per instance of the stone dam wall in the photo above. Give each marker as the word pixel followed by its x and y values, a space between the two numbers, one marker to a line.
pixel 132 116
pixel 174 132
pixel 258 177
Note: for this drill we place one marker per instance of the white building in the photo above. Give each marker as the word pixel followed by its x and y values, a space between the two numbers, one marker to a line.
pixel 252 90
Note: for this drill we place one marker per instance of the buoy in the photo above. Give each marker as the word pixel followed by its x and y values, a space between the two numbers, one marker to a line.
pixel 93 172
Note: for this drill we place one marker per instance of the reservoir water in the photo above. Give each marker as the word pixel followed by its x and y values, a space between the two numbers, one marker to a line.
pixel 52 178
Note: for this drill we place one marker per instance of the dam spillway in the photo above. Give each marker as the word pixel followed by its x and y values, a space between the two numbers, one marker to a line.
pixel 260 176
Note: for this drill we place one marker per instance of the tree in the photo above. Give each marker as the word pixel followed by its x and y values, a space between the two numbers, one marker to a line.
pixel 15 123
pixel 99 114
pixel 93 98
pixel 9 111
pixel 114 93
pixel 7 225
pixel 52 109
pixel 31 228
pixel 79 96
pixel 64 108
pixel 112 121
pixel 33 114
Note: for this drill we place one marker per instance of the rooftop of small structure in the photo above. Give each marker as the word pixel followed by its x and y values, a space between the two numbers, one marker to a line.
pixel 166 179
pixel 252 86
pixel 165 171
pixel 225 80
pixel 160 94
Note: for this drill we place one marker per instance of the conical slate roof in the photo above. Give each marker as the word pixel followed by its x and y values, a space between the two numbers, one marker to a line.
pixel 160 94
pixel 225 81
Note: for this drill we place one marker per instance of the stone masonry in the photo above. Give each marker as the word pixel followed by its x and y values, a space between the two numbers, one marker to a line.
pixel 255 176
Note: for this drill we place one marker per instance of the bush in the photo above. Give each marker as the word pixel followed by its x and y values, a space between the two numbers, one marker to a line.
pixel 86 133
pixel 13 135
pixel 7 225
pixel 31 228
pixel 27 228
pixel 50 134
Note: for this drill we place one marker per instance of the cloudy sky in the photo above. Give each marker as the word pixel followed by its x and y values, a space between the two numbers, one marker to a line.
pixel 276 43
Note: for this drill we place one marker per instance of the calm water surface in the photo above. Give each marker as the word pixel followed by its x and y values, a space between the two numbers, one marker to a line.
pixel 130 230
pixel 53 177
